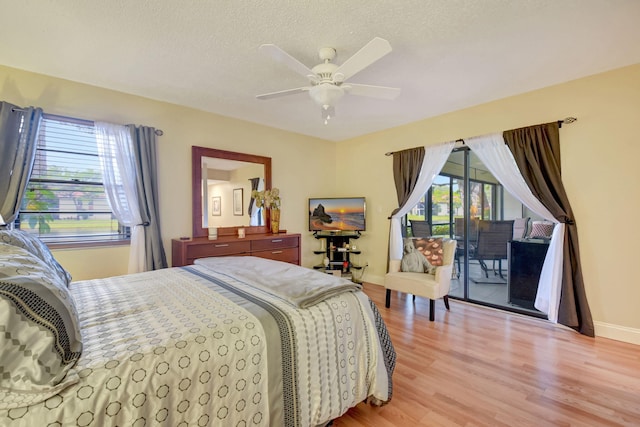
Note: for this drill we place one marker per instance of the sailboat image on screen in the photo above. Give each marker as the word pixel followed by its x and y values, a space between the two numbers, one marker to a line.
pixel 337 214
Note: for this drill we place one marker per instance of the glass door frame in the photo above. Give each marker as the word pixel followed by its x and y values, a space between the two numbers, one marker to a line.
pixel 497 211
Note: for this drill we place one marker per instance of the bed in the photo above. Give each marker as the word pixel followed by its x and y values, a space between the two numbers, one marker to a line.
pixel 233 341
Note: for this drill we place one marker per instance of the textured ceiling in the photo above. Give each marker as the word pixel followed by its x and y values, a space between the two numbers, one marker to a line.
pixel 447 54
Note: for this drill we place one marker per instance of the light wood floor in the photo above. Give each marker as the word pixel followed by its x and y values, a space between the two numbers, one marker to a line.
pixel 475 366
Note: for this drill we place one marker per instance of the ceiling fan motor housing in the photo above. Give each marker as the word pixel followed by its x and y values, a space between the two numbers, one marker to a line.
pixel 324 72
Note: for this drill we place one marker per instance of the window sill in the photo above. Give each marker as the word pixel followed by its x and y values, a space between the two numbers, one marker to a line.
pixel 88 244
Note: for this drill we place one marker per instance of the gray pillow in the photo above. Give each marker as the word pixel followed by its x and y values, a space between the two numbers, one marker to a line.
pixel 39 330
pixel 33 244
pixel 413 260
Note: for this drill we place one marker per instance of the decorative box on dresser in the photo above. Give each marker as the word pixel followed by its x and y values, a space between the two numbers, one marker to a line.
pixel 280 247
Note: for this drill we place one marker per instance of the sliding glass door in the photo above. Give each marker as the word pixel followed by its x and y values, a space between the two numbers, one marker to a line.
pixel 464 197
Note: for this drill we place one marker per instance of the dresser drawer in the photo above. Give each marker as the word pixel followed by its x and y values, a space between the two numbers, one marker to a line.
pixel 218 249
pixel 274 243
pixel 286 255
pixel 284 247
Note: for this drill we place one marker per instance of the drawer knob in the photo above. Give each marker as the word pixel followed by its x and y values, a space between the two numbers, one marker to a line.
pixel 222 245
pixel 276 241
pixel 276 252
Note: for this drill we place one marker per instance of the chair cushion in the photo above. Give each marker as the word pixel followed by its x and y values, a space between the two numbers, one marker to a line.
pixel 541 229
pixel 420 284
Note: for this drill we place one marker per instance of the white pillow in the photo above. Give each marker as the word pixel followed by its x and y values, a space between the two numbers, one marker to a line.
pixel 34 245
pixel 39 330
pixel 520 227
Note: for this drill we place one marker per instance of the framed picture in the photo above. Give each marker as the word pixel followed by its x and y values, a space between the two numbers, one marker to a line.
pixel 215 206
pixel 237 201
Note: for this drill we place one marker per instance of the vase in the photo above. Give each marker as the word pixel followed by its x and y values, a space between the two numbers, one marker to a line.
pixel 275 221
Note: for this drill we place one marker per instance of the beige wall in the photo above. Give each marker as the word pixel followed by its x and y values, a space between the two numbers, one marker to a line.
pixel 301 165
pixel 600 170
pixel 599 160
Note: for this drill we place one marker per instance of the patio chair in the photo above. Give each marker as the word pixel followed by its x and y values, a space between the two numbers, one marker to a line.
pixel 493 237
pixel 473 238
pixel 420 228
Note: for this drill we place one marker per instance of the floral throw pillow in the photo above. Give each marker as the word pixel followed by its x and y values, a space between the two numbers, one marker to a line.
pixel 431 248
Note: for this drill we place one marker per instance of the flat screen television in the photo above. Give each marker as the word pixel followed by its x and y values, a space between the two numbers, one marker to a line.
pixel 337 214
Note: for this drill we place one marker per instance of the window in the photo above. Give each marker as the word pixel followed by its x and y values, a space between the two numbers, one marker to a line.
pixel 65 201
pixel 444 201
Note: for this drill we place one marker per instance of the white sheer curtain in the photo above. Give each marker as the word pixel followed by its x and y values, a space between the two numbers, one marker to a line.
pixel 435 157
pixel 497 157
pixel 257 214
pixel 117 161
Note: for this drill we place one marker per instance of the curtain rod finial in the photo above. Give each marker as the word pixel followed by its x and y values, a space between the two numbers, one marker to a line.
pixel 566 121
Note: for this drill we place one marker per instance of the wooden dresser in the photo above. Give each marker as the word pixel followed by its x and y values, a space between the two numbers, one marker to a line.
pixel 280 247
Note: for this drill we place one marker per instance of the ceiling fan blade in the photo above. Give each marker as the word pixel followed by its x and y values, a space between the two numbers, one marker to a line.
pixel 283 57
pixel 381 92
pixel 280 93
pixel 370 53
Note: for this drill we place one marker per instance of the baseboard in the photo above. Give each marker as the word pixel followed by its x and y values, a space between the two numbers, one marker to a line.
pixel 617 332
pixel 373 279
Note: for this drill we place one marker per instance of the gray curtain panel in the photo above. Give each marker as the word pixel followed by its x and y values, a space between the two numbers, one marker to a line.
pixel 18 140
pixel 536 150
pixel 144 145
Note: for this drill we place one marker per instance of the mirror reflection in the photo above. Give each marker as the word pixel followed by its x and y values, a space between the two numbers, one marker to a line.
pixel 226 192
pixel 222 182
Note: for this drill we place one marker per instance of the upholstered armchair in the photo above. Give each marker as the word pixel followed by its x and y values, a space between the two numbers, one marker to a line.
pixel 432 286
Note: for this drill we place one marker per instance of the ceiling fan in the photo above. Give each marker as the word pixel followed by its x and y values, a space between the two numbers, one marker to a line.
pixel 327 80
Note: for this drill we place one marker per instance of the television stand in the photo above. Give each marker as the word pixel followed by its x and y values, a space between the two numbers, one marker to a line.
pixel 338 249
pixel 336 233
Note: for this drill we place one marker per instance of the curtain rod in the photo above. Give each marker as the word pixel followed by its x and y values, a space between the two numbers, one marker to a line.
pixel 567 120
pixel 158 132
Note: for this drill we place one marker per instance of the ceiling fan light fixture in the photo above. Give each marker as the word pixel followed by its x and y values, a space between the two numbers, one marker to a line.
pixel 326 94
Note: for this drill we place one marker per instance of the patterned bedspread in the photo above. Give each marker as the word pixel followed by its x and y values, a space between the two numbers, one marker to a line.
pixel 195 346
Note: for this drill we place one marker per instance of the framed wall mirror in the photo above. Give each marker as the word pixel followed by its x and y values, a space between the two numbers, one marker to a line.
pixel 213 172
